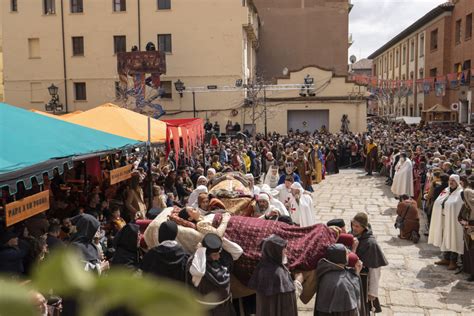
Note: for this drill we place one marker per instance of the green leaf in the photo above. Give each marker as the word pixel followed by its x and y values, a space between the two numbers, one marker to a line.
pixel 16 299
pixel 143 295
pixel 64 272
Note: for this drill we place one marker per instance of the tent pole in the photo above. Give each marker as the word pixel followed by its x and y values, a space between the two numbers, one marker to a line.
pixel 149 174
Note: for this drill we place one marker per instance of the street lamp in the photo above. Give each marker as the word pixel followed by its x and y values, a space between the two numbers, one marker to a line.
pixel 306 88
pixel 53 105
pixel 179 86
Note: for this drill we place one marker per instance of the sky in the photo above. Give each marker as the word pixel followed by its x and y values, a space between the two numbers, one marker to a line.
pixel 374 22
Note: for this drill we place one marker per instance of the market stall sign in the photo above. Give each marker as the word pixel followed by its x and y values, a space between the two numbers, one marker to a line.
pixel 120 174
pixel 22 209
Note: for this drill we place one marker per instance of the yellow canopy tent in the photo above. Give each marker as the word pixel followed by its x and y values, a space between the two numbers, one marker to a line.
pixel 44 113
pixel 115 120
pixel 69 115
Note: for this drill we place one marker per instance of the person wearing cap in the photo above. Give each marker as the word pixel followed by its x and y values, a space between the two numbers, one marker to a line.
pixel 371 152
pixel 445 230
pixel 339 288
pixel 193 197
pixel 211 173
pixel 209 272
pixel 263 208
pixel 372 258
pixel 277 292
pixel 272 194
pixel 301 206
pixel 126 247
pixel 338 222
pixel 168 259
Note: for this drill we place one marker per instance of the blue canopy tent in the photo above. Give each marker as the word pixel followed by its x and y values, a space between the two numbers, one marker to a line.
pixel 32 144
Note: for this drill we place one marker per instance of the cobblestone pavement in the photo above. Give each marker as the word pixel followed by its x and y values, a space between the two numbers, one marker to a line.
pixel 411 284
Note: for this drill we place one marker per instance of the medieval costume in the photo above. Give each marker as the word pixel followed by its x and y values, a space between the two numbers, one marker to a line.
pixel 332 160
pixel 304 170
pixel 193 197
pixel 371 151
pixel 466 217
pixel 276 291
pixel 403 179
pixel 289 171
pixel 316 159
pixel 126 247
pixel 408 210
pixel 168 259
pixel 445 230
pixel 339 289
pixel 272 177
pixel 86 226
pixel 209 275
pixel 373 259
pixel 301 206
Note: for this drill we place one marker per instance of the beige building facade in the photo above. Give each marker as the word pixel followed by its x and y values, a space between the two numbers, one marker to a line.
pixel 334 97
pixel 72 44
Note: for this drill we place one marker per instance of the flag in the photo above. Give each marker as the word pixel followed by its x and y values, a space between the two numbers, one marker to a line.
pixel 453 80
pixel 428 85
pixel 419 85
pixel 440 88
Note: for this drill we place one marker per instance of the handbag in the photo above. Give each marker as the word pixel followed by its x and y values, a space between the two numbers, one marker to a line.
pixel 400 221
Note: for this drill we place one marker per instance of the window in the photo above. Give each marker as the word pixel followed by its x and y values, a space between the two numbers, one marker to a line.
pixel 77 46
pixel 412 50
pixel 434 40
pixel 404 55
pixel 77 6
pixel 120 5
pixel 36 92
pixel 120 44
pixel 457 35
pixel 164 4
pixel 164 43
pixel 14 5
pixel 166 90
pixel 391 64
pixel 467 68
pixel 49 7
pixel 422 45
pixel 34 48
pixel 80 91
pixel 433 72
pixel 468 34
pixel 397 56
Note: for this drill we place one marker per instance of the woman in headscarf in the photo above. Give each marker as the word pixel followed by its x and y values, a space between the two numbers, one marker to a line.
pixel 168 259
pixel 193 198
pixel 277 293
pixel 126 247
pixel 339 289
pixel 445 230
pixel 301 206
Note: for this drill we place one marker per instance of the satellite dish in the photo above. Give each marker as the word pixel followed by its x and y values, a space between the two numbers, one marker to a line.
pixel 285 71
pixel 353 59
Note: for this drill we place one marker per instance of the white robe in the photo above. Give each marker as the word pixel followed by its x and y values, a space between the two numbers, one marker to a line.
pixel 445 230
pixel 302 213
pixel 284 194
pixel 403 179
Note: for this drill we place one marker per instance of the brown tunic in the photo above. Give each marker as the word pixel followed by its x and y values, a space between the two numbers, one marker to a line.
pixel 409 210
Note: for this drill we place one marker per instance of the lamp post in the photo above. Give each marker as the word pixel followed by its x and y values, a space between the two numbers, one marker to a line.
pixel 53 105
pixel 307 87
pixel 180 87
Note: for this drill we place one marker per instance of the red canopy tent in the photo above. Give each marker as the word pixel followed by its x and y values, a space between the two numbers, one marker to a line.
pixel 191 131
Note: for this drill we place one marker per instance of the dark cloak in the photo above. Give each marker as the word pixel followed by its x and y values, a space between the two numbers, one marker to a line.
pixel 369 251
pixel 86 226
pixel 338 290
pixel 126 247
pixel 272 281
pixel 168 262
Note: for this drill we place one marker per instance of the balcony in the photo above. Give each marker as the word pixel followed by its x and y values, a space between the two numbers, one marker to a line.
pixel 251 27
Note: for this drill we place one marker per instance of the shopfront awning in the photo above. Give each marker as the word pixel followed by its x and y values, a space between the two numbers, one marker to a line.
pixel 32 144
pixel 113 119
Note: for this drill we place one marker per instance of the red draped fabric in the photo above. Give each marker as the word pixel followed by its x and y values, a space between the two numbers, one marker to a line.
pixel 192 134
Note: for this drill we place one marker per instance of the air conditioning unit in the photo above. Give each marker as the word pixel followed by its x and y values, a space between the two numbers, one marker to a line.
pixel 462 95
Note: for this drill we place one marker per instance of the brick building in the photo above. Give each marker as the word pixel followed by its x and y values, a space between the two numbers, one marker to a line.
pixel 438 44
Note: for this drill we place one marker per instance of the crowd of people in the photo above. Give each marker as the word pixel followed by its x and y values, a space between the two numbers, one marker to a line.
pixel 428 169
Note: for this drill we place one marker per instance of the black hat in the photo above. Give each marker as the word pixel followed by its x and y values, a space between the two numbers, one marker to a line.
pixel 212 243
pixel 6 235
pixel 168 231
pixel 337 253
pixel 338 222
